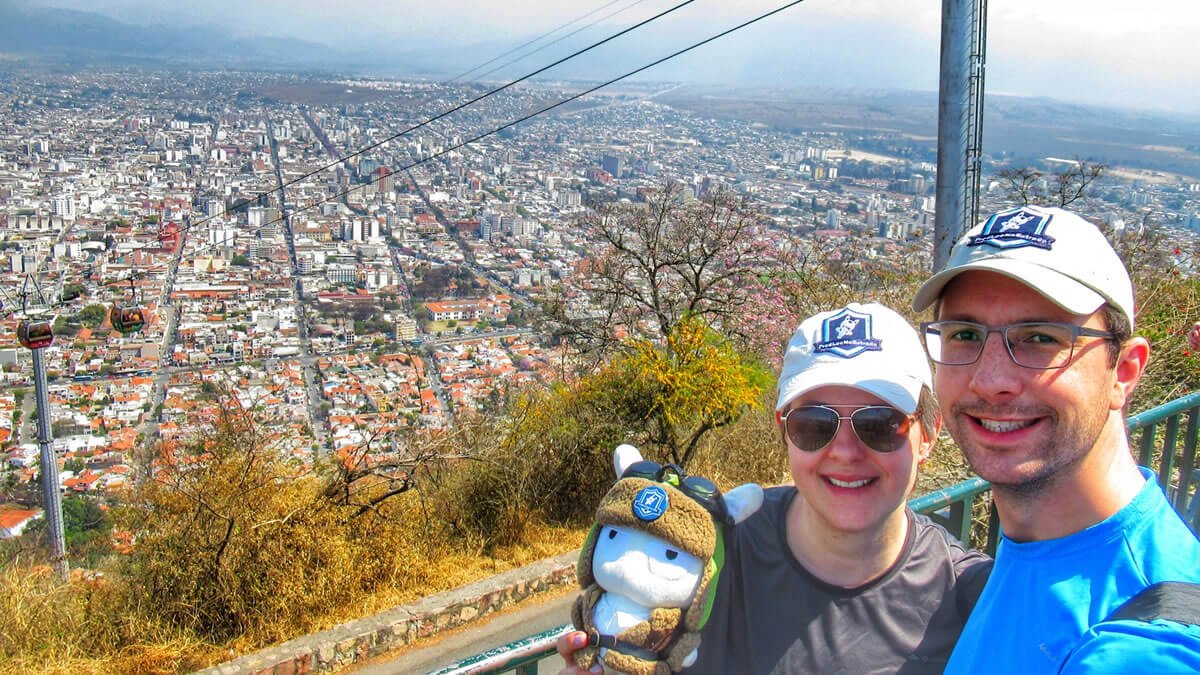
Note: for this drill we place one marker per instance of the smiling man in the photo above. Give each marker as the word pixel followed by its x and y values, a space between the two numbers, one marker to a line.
pixel 1035 363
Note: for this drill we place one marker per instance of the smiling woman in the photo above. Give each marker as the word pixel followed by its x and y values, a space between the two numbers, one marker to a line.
pixel 837 556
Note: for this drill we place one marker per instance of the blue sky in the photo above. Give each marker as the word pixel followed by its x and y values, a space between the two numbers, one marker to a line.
pixel 1138 55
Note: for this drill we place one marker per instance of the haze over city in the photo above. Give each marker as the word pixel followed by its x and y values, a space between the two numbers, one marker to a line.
pixel 1132 55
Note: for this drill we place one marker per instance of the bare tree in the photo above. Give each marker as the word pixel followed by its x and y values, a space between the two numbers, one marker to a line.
pixel 386 464
pixel 657 263
pixel 1020 183
pixel 1027 185
pixel 1072 184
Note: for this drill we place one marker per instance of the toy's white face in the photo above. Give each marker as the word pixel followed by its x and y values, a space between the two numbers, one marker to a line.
pixel 644 569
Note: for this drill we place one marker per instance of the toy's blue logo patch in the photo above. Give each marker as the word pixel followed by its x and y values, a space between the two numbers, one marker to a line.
pixel 847 334
pixel 650 503
pixel 1015 228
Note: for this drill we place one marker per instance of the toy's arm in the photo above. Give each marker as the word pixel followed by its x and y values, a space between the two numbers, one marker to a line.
pixel 684 652
pixel 577 610
pixel 581 616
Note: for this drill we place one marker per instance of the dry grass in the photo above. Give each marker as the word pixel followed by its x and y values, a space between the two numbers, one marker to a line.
pixel 458 568
pixel 93 625
pixel 50 627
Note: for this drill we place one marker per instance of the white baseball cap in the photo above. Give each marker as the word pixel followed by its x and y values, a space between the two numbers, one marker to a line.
pixel 1053 251
pixel 868 347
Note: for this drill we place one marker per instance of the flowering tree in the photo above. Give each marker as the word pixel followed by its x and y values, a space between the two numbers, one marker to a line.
pixel 820 273
pixel 697 381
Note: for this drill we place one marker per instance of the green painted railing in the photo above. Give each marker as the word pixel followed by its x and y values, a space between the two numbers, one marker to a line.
pixel 1155 434
pixel 1159 445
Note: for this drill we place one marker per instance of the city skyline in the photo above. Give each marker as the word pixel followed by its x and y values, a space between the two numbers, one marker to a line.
pixel 1103 53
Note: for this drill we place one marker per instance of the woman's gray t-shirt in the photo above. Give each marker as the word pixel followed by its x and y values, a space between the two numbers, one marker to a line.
pixel 771 615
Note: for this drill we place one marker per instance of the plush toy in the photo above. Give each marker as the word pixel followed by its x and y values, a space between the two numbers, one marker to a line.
pixel 650 565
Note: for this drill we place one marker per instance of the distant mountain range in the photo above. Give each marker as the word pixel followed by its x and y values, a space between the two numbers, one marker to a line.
pixel 1016 126
pixel 70 36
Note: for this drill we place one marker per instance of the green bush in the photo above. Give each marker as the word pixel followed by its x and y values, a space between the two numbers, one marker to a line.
pixel 550 460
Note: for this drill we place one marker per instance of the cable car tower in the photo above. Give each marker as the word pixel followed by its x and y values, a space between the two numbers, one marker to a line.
pixel 35 330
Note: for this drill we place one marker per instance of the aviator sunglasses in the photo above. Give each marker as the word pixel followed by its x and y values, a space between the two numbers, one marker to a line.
pixel 879 427
pixel 700 489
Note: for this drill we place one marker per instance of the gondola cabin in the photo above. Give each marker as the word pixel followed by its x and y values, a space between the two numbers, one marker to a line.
pixel 35 334
pixel 126 320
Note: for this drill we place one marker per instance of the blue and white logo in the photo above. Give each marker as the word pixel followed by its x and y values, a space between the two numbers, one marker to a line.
pixel 650 503
pixel 847 334
pixel 1015 228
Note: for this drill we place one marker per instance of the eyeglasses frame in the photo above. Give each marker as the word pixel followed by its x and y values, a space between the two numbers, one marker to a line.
pixel 1077 332
pixel 783 425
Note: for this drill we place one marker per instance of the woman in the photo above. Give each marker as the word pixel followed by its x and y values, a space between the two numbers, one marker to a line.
pixel 834 573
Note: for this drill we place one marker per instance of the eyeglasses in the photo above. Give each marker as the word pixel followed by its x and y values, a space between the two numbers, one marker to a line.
pixel 881 428
pixel 699 488
pixel 1033 344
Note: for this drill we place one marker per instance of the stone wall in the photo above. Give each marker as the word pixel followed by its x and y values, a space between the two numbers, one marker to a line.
pixel 371 636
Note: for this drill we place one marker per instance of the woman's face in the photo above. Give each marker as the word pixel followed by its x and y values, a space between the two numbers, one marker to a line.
pixel 848 485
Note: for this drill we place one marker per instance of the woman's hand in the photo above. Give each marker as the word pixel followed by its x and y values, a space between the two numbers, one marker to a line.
pixel 567 645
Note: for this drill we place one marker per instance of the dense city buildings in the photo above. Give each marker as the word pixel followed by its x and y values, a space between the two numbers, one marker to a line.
pixel 345 268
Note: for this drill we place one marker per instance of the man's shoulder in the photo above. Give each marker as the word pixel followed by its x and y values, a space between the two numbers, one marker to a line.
pixel 1163 543
pixel 1128 646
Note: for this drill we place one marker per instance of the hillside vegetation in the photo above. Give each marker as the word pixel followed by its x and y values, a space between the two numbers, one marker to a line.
pixel 232 547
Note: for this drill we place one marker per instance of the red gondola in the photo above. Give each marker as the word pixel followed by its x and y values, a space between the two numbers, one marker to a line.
pixel 126 320
pixel 35 334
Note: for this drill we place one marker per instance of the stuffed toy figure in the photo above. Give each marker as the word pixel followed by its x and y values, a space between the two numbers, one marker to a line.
pixel 650 565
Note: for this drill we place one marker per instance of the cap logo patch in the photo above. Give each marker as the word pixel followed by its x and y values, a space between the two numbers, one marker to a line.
pixel 650 503
pixel 847 334
pixel 1015 228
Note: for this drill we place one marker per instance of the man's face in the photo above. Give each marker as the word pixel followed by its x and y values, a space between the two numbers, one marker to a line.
pixel 1021 427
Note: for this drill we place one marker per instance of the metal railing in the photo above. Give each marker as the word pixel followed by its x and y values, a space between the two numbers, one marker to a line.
pixel 1160 446
pixel 954 509
pixel 1154 434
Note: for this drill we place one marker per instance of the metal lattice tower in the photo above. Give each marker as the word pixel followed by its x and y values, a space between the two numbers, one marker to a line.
pixel 974 168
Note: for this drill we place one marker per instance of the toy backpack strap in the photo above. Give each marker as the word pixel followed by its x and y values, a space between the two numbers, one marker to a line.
pixel 617 644
pixel 1168 600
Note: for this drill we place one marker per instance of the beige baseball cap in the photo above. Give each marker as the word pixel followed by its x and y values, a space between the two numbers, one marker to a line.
pixel 865 346
pixel 1053 251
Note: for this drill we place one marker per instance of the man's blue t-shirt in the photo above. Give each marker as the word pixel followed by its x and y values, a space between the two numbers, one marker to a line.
pixel 1040 608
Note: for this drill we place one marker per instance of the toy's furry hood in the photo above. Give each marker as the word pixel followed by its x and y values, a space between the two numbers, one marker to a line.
pixel 684 523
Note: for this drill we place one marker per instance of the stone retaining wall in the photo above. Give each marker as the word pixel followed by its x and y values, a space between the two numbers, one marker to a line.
pixel 364 638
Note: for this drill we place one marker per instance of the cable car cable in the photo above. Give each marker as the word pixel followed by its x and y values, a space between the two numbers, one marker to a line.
pixel 508 125
pixel 540 37
pixel 554 42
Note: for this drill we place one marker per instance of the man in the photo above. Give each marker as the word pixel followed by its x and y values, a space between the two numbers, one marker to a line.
pixel 1035 363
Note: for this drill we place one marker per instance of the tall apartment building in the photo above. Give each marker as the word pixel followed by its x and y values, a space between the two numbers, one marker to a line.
pixel 613 164
pixel 406 328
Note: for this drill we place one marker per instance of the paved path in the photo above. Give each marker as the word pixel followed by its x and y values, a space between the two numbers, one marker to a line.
pixel 550 610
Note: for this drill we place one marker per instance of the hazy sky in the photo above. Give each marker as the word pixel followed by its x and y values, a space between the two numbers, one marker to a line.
pixel 1133 54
